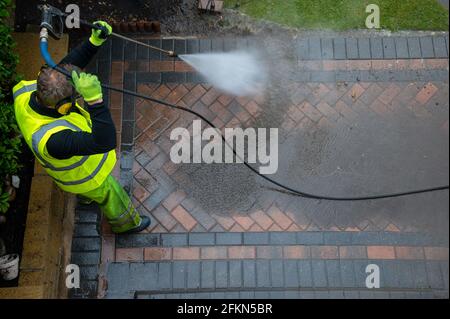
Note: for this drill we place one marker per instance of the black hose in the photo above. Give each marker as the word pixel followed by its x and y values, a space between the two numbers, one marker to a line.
pixel 284 188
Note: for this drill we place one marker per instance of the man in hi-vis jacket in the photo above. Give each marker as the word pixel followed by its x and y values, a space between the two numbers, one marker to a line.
pixel 76 146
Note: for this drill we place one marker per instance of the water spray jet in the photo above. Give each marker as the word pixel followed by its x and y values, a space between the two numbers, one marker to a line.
pixel 237 72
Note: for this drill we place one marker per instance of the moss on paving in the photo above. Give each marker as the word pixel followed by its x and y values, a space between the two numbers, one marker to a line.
pixel 347 14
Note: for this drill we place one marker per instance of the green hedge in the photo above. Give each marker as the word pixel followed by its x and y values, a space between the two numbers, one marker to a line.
pixel 10 141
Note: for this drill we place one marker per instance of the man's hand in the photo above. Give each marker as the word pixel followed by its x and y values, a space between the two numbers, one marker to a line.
pixel 88 86
pixel 98 37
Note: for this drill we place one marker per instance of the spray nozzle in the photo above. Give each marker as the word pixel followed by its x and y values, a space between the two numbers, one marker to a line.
pixel 172 54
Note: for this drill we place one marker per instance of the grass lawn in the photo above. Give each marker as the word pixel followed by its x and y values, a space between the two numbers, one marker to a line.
pixel 347 14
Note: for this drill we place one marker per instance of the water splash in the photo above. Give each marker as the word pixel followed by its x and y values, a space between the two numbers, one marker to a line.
pixel 237 73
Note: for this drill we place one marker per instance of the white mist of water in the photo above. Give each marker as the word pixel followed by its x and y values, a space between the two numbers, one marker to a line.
pixel 237 73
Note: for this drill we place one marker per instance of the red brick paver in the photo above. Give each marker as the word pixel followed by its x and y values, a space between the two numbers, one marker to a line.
pixel 241 252
pixel 186 253
pixel 129 254
pixel 184 218
pixel 216 252
pixel 352 252
pixel 296 252
pixel 436 253
pixel 380 252
pixel 409 252
pixel 156 253
pixel 281 252
pixel 325 252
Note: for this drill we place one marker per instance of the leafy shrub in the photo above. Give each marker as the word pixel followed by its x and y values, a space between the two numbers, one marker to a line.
pixel 10 142
pixel 8 60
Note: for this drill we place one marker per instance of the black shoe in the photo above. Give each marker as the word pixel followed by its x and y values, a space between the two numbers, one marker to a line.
pixel 145 222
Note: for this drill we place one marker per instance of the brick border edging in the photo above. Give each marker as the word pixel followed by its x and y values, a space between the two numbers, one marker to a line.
pixel 323 252
pixel 93 260
pixel 279 238
pixel 309 48
pixel 311 293
pixel 86 250
pixel 163 277
pixel 424 47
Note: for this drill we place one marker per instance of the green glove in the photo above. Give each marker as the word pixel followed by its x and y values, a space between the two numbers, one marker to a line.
pixel 98 36
pixel 88 86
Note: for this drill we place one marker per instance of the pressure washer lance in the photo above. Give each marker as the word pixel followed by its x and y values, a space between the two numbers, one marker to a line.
pixel 56 28
pixel 171 54
pixel 282 188
pixel 103 29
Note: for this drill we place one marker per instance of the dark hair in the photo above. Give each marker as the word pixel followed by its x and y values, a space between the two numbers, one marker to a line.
pixel 53 86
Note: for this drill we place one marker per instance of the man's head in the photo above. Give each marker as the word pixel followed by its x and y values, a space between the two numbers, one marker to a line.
pixel 54 87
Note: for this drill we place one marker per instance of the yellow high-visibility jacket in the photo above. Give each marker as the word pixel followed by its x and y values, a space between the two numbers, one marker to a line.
pixel 78 174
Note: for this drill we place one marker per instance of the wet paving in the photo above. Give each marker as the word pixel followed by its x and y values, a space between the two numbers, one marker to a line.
pixel 369 155
pixel 347 127
pixel 365 119
pixel 400 147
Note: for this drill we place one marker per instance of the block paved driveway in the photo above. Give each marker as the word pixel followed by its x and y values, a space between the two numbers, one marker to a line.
pixel 352 120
